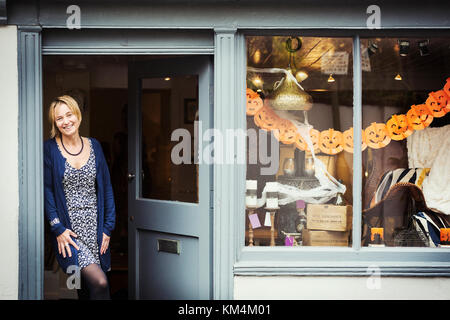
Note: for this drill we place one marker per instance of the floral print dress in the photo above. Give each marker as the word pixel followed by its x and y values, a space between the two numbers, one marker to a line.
pixel 81 197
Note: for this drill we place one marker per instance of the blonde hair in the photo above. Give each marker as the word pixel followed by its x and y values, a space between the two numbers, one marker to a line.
pixel 69 102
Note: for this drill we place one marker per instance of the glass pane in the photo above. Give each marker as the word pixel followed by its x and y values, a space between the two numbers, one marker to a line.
pixel 406 187
pixel 169 108
pixel 300 155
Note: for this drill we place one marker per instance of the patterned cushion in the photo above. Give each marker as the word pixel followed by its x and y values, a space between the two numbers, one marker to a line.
pixel 390 178
pixel 427 223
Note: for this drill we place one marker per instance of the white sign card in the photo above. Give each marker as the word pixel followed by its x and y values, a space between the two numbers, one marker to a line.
pixel 335 63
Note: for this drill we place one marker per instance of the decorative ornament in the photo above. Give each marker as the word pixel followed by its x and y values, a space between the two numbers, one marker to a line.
pixel 419 117
pixel 288 95
pixel 437 103
pixel 254 102
pixel 398 127
pixel 330 141
pixel 286 132
pixel 447 88
pixel 377 135
pixel 347 140
pixel 447 92
pixel 266 118
pixel 301 144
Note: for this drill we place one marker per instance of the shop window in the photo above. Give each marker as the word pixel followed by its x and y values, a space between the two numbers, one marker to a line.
pixel 405 97
pixel 299 141
pixel 299 110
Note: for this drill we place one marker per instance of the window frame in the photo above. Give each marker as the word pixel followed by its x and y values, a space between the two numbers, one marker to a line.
pixel 334 261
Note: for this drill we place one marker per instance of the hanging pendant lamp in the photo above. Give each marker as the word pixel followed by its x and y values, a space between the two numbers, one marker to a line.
pixel 287 95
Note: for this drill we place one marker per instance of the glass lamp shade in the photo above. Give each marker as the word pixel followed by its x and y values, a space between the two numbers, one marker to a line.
pixel 289 96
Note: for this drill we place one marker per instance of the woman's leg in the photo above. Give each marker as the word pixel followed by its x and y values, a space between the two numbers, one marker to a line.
pixel 96 282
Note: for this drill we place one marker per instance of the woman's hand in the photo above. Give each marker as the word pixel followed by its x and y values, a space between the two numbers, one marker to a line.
pixel 64 242
pixel 105 244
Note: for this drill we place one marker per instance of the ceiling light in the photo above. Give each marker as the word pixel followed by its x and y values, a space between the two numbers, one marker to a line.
pixel 423 47
pixel 167 79
pixel 257 81
pixel 404 47
pixel 372 49
pixel 301 76
pixel 257 57
pixel 288 95
pixel 398 77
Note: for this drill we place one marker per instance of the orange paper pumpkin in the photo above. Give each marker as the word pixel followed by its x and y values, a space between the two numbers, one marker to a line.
pixel 444 236
pixel 286 132
pixel 347 140
pixel 266 118
pixel 254 102
pixel 447 92
pixel 398 127
pixel 437 103
pixel 377 135
pixel 300 143
pixel 447 87
pixel 419 117
pixel 330 141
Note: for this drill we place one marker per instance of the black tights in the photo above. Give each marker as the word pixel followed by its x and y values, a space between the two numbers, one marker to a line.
pixel 94 284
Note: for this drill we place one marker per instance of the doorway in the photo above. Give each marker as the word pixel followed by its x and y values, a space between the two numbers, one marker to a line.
pixel 100 84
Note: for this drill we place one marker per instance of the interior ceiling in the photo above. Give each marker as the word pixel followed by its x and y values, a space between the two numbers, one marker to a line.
pixel 85 62
pixel 417 70
pixel 420 73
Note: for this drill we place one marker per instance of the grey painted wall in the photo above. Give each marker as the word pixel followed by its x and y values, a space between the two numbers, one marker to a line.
pixel 239 14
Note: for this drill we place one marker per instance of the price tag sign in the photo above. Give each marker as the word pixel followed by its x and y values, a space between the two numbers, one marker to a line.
pixel 335 63
pixel 365 61
pixel 267 222
pixel 254 221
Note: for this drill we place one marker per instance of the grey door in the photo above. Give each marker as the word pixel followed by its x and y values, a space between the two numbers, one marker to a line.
pixel 169 204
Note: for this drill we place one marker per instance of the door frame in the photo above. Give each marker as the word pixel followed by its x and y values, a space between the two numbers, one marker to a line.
pixel 30 124
pixel 202 66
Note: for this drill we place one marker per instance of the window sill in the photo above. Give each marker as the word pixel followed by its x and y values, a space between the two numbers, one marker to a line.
pixel 327 261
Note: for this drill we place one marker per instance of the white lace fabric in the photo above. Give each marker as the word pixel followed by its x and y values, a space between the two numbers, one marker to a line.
pixel 430 148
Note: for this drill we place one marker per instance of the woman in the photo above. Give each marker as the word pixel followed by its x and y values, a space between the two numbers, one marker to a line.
pixel 79 202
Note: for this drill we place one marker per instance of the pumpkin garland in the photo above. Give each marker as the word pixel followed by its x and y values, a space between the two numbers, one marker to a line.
pixel 398 127
pixel 376 135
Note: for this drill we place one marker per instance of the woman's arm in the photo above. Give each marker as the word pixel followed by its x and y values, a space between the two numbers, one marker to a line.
pixel 49 197
pixel 63 235
pixel 109 205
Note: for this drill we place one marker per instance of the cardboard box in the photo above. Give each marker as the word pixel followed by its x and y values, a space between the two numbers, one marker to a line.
pixel 325 238
pixel 328 217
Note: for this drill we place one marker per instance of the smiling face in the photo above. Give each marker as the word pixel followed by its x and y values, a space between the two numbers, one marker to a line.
pixel 377 135
pixel 66 120
pixel 330 141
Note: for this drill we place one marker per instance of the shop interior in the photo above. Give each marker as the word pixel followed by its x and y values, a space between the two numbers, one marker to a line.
pixel 293 81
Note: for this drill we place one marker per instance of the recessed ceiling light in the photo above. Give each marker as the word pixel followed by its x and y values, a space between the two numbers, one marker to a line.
pixel 404 47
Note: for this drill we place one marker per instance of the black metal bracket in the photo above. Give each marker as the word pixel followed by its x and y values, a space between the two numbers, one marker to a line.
pixel 3 16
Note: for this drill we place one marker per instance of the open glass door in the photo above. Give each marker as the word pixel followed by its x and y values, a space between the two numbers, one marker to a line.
pixel 169 203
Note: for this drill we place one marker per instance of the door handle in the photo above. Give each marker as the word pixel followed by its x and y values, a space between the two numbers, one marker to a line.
pixel 131 177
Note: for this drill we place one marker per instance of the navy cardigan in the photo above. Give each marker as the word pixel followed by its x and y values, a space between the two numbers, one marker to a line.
pixel 55 205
